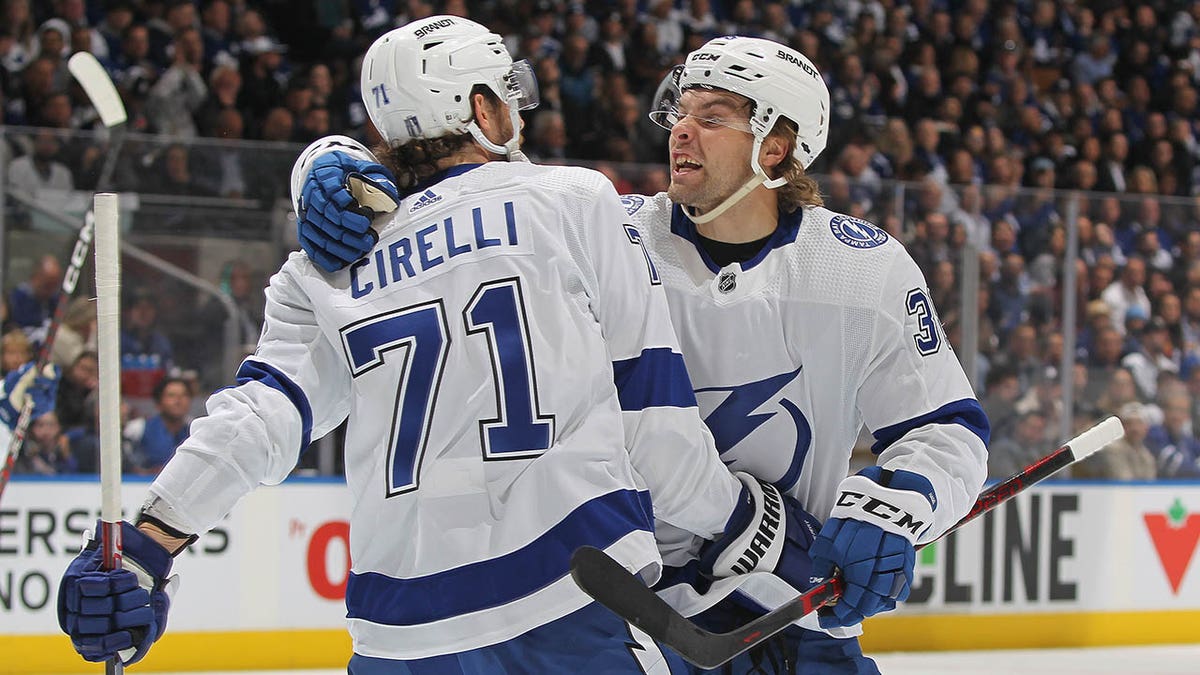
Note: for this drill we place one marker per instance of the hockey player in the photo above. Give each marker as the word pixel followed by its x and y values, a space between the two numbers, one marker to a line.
pixel 514 391
pixel 798 325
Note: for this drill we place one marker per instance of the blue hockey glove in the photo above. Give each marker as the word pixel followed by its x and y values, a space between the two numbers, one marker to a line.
pixel 119 612
pixel 878 516
pixel 340 197
pixel 768 531
pixel 23 383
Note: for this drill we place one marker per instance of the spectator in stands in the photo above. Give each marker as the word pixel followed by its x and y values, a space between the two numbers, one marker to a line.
pixel 155 438
pixel 1009 455
pixel 1103 360
pixel 216 31
pixel 177 16
pixel 146 354
pixel 263 77
pixel 1045 396
pixel 76 334
pixel 32 303
pixel 1096 63
pixel 1127 291
pixel 180 90
pixel 1001 391
pixel 118 16
pixel 85 437
pixel 1151 358
pixel 1127 458
pixel 223 172
pixel 1010 292
pixel 1112 176
pixel 1173 442
pixel 41 169
pixel 15 350
pixel 46 451
pixel 132 63
pixel 548 138
pixel 173 174
pixel 79 380
pixel 244 287
pixel 224 86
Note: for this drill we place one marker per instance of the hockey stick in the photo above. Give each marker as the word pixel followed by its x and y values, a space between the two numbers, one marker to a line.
pixel 108 351
pixel 610 584
pixel 99 88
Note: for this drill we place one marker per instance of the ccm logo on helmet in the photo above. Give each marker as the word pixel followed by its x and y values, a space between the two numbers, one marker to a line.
pixel 430 27
pixel 882 510
pixel 803 66
pixel 705 56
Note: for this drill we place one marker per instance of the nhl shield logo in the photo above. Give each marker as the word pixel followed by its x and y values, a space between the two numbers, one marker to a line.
pixel 727 282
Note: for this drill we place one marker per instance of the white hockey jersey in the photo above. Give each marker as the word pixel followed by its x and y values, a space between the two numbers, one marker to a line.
pixel 500 416
pixel 829 327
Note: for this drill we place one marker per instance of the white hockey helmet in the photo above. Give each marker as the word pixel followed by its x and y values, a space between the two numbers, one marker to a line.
pixel 780 81
pixel 417 80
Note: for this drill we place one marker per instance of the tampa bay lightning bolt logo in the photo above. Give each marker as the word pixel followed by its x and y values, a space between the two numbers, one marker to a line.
pixel 856 233
pixel 746 408
pixel 632 203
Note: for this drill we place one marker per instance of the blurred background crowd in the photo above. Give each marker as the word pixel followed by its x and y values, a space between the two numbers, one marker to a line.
pixel 980 133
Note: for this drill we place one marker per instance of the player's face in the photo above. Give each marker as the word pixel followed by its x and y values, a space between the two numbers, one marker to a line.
pixel 709 148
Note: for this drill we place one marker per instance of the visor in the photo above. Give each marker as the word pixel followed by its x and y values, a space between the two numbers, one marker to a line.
pixel 666 113
pixel 522 86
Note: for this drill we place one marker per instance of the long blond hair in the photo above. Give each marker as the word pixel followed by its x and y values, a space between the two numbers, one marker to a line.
pixel 801 189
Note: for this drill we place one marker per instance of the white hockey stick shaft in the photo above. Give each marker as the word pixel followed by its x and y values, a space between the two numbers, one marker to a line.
pixel 108 347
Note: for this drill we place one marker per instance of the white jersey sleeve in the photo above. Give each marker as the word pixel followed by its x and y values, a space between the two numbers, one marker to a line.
pixel 916 400
pixel 293 389
pixel 671 448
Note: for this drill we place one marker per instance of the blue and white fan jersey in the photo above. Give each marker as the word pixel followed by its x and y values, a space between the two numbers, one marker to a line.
pixel 828 328
pixel 514 390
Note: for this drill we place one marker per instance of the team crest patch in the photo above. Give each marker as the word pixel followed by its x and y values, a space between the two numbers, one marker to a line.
pixel 632 203
pixel 856 233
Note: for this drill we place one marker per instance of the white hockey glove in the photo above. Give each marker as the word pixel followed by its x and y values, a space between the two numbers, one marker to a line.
pixel 768 531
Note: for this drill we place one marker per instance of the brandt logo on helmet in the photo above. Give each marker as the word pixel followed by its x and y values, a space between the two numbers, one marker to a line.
pixel 430 27
pixel 856 233
pixel 727 282
pixel 632 203
pixel 428 198
pixel 413 126
pixel 804 65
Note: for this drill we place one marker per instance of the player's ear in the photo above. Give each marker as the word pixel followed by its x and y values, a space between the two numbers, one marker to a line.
pixel 487 115
pixel 774 151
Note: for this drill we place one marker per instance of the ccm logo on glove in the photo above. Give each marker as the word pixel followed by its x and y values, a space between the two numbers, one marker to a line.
pixel 882 510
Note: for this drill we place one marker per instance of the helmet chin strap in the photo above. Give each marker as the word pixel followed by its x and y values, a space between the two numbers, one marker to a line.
pixel 759 178
pixel 512 149
pixel 701 218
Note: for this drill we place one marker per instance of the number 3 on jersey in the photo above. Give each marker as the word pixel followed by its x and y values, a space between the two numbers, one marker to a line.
pixel 421 334
pixel 929 335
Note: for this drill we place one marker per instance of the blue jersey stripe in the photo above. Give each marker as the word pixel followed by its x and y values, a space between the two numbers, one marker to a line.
pixel 490 583
pixel 257 371
pixel 965 412
pixel 655 378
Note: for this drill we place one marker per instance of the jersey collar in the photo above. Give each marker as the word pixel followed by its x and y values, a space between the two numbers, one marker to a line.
pixel 456 170
pixel 785 233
